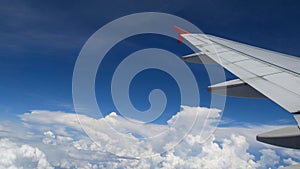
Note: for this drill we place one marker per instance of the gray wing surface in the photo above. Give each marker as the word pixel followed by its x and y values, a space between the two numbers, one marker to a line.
pixel 275 75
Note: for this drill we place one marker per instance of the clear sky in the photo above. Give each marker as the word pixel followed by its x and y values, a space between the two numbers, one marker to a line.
pixel 41 40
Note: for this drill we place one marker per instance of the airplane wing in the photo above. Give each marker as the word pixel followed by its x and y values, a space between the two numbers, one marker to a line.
pixel 260 72
pixel 275 75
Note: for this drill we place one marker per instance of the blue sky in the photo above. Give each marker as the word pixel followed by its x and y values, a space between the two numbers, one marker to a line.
pixel 40 42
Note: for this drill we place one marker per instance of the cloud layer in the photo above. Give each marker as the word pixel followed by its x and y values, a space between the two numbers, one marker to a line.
pixel 55 139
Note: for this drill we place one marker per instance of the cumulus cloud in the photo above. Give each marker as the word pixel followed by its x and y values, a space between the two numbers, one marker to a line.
pixel 269 158
pixel 21 156
pixel 57 140
pixel 290 161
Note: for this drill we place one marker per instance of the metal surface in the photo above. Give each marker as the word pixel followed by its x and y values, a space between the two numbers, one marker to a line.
pixel 286 137
pixel 199 58
pixel 235 88
pixel 274 77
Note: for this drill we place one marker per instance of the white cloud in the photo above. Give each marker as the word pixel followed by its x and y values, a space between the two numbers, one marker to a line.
pixel 21 156
pixel 290 161
pixel 269 158
pixel 120 141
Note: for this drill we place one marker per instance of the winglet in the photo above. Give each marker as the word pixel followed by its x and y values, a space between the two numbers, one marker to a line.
pixel 180 32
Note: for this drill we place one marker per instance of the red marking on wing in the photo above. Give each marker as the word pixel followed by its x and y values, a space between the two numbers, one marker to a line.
pixel 180 32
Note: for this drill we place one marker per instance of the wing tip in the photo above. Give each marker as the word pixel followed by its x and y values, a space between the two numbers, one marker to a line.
pixel 180 31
